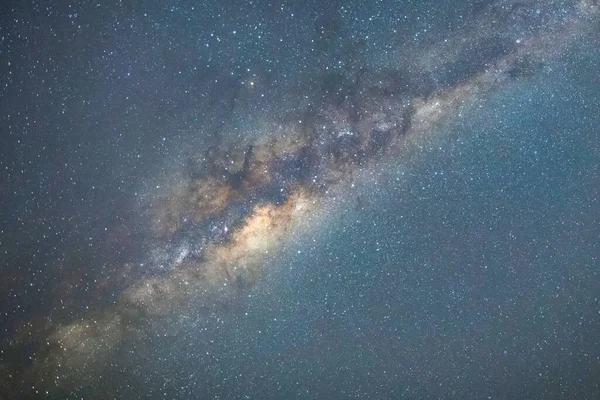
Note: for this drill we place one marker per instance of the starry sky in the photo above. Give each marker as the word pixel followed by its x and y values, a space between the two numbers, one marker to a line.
pixel 300 200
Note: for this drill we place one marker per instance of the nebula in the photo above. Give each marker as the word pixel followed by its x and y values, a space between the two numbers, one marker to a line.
pixel 238 207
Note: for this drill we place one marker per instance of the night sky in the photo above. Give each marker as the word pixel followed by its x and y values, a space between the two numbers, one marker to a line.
pixel 300 199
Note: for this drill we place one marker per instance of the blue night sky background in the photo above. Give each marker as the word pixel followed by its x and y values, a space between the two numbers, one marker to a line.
pixel 300 200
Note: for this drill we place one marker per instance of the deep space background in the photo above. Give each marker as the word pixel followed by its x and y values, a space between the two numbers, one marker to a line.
pixel 451 259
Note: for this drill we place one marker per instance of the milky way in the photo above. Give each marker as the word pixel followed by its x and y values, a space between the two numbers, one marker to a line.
pixel 218 226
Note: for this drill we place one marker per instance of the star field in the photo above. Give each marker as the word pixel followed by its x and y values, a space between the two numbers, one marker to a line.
pixel 256 199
